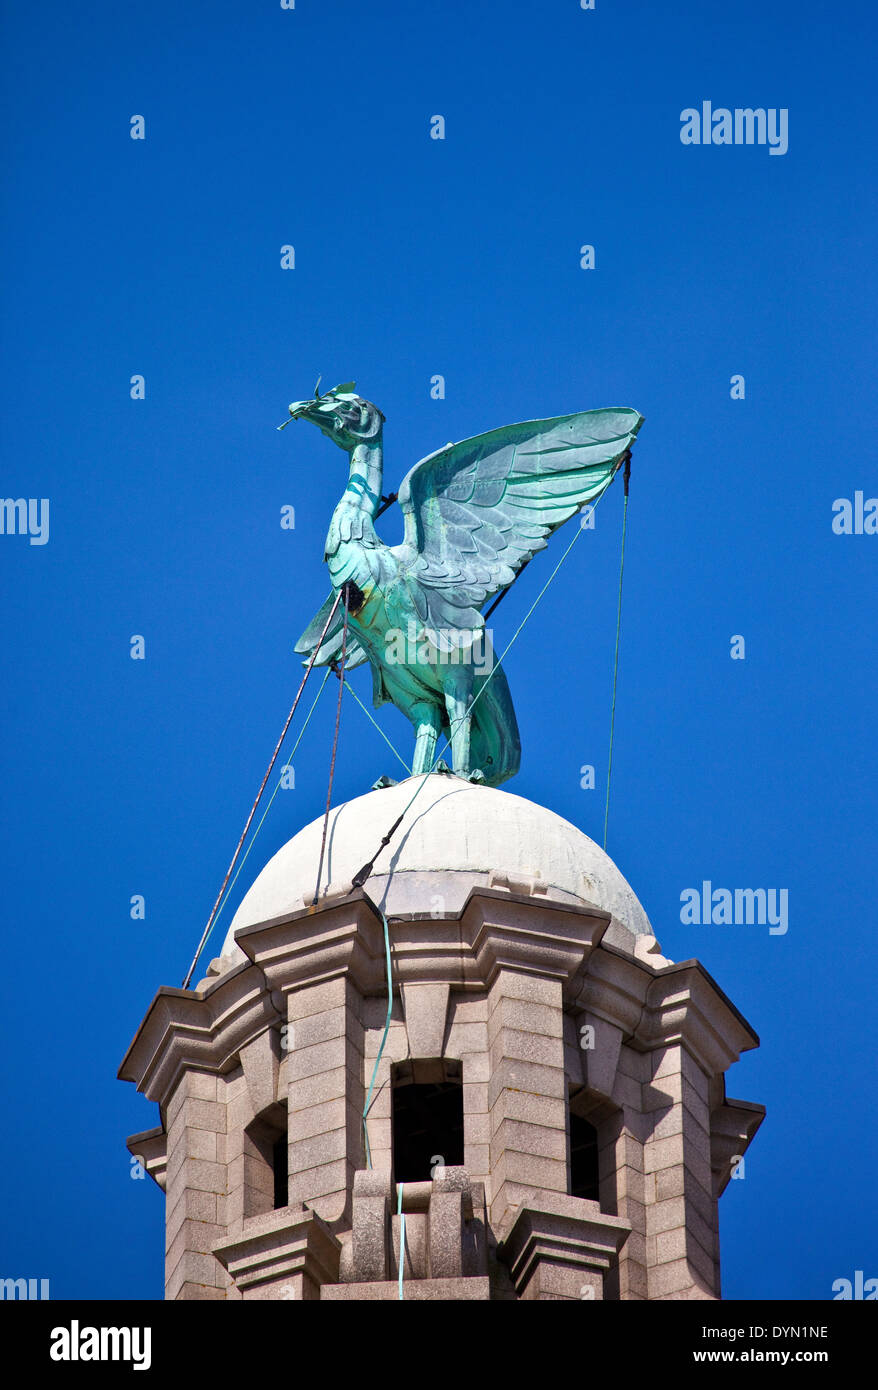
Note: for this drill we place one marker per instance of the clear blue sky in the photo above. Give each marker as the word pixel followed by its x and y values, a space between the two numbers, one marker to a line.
pixel 416 257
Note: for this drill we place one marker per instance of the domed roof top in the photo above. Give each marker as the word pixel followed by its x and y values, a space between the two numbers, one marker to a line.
pixel 454 836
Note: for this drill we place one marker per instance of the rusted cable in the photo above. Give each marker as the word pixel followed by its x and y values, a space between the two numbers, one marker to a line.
pixel 286 726
pixel 346 593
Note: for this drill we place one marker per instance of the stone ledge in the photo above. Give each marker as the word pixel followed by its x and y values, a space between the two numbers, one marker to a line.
pixel 554 1230
pixel 151 1146
pixel 279 1246
pixel 414 1291
pixel 732 1128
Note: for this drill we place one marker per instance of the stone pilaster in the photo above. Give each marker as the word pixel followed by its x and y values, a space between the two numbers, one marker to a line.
pixel 324 1076
pixel 468 1041
pixel 681 1226
pixel 381 1103
pixel 622 1177
pixel 196 1179
pixel 526 1092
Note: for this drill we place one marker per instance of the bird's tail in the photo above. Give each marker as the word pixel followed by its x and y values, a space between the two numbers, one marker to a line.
pixel 495 745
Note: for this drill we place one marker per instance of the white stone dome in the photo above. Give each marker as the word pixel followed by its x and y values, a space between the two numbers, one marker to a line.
pixel 454 836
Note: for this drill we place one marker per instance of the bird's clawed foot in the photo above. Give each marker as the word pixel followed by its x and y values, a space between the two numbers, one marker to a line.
pixel 478 777
pixel 384 782
pixel 443 767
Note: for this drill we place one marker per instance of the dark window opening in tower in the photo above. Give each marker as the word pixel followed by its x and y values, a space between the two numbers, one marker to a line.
pixel 584 1180
pixel 266 1161
pixel 427 1118
pixel 280 1164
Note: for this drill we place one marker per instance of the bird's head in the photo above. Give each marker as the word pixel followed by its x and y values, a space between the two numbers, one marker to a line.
pixel 344 417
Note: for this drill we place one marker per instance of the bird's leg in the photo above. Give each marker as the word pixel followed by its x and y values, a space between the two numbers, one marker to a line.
pixel 458 694
pixel 426 718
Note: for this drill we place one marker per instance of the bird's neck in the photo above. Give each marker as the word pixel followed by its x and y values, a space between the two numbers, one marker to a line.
pixel 363 491
pixel 351 532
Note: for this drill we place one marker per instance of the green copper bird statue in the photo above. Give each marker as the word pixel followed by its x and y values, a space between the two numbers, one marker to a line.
pixel 475 513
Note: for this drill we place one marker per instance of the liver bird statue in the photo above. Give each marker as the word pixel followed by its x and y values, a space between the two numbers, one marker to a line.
pixel 475 513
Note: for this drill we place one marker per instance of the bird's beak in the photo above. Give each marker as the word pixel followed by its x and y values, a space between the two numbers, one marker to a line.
pixel 298 410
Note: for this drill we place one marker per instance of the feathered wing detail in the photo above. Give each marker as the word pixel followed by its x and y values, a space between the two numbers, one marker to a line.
pixel 477 511
pixel 331 649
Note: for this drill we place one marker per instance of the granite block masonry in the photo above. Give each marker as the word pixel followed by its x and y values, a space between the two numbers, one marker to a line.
pixel 547 1110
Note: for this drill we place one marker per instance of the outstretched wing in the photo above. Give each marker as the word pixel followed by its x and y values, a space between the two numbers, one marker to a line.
pixel 331 649
pixel 476 512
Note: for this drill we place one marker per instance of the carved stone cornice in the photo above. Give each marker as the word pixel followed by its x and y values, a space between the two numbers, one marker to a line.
pixel 614 988
pixel 279 1246
pixel 561 1230
pixel 654 1006
pixel 150 1147
pixel 685 1005
pixel 534 936
pixel 732 1127
pixel 311 946
pixel 202 1029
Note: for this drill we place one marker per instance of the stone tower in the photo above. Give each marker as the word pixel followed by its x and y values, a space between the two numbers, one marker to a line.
pixel 540 1105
